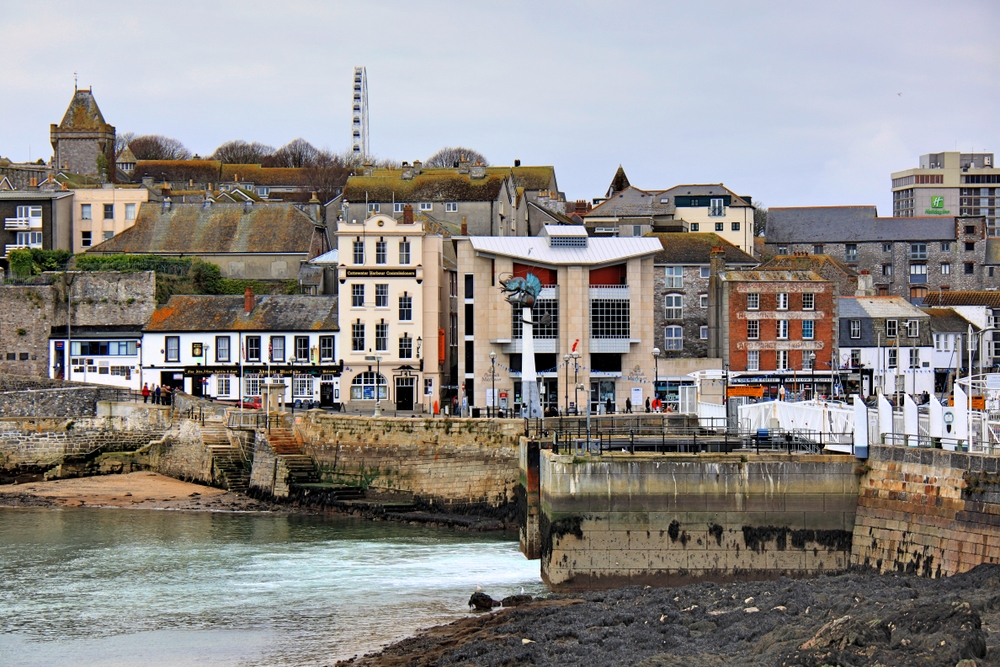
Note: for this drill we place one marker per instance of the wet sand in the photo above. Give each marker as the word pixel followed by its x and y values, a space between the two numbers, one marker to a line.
pixel 137 490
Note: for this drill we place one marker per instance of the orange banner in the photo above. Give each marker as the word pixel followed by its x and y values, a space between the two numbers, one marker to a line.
pixel 751 391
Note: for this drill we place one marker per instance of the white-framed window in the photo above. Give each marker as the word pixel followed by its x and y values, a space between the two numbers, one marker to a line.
pixel 381 252
pixel 695 226
pixel 172 348
pixel 673 338
pixel 130 211
pixel 30 239
pixel 703 332
pixel 109 211
pixel 807 362
pixel 277 348
pixel 404 252
pixel 374 208
pixel 753 329
pixel 382 295
pixel 86 239
pixel 253 348
pixel 357 337
pixel 302 348
pixel 781 360
pixel 703 300
pixel 673 307
pixel 263 191
pixel 945 268
pixel 302 385
pixel 893 360
pixel 855 329
pixel 426 206
pixel 782 329
pixel 807 329
pixel 251 385
pixel 405 347
pixel 359 251
pixel 914 357
pixel 406 307
pixel 364 384
pixel 913 328
pixel 706 272
pixel 717 207
pixel 397 207
pixel 753 360
pixel 223 384
pixel 891 328
pixel 782 300
pixel 451 207
pixel 851 252
pixel 381 336
pixel 674 277
pixel 222 349
pixel 326 348
pixel 85 212
pixel 720 226
pixel 753 301
pixel 808 301
pixel 357 295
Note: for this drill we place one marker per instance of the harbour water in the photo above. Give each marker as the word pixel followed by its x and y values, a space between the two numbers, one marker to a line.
pixel 133 587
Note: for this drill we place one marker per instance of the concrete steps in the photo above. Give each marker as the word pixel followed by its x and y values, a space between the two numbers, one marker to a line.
pixel 227 459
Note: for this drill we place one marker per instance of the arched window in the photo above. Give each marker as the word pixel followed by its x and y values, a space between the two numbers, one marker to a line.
pixel 673 338
pixel 363 387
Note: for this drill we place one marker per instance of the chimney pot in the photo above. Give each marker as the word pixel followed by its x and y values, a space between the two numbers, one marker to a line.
pixel 465 227
pixel 248 300
pixel 517 163
pixel 408 214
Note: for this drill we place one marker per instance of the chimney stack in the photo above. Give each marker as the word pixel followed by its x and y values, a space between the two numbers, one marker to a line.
pixel 465 227
pixel 517 163
pixel 408 214
pixel 166 204
pixel 248 206
pixel 248 299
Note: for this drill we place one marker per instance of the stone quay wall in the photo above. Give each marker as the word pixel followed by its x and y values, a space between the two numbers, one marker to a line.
pixel 666 520
pixel 928 511
pixel 440 460
pixel 269 476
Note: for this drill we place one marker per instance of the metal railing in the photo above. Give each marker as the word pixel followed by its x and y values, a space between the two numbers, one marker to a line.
pixel 251 421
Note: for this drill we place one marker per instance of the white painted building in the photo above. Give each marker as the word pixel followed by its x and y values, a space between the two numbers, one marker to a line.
pixel 209 345
pixel 107 355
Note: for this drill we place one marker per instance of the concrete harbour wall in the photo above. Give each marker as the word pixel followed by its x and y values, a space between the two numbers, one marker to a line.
pixel 671 519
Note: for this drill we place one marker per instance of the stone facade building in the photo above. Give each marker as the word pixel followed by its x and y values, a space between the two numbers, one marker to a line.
pixel 907 257
pixel 81 137
pixel 681 282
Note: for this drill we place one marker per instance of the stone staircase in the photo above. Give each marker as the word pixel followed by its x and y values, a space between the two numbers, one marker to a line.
pixel 301 469
pixel 226 458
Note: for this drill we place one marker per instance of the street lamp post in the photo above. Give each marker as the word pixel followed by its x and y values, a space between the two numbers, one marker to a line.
pixel 576 381
pixel 566 383
pixel 493 379
pixel 812 371
pixel 656 370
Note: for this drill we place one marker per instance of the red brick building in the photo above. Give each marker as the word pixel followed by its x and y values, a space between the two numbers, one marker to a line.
pixel 768 325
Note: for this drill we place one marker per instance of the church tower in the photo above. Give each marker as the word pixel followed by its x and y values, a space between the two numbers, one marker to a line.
pixel 81 137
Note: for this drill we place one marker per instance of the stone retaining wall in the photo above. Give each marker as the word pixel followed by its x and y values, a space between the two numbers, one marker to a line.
pixel 269 475
pixel 672 519
pixel 441 460
pixel 928 511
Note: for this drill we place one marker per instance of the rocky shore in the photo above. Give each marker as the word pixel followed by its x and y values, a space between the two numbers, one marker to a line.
pixel 854 619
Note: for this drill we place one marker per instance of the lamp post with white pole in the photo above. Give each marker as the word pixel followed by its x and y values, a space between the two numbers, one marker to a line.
pixel 493 379
pixel 812 371
pixel 566 384
pixel 656 370
pixel 576 381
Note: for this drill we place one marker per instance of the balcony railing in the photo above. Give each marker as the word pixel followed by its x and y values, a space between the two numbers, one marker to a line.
pixel 609 292
pixel 19 246
pixel 22 223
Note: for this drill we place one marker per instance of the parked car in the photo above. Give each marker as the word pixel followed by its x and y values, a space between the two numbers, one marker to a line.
pixel 249 402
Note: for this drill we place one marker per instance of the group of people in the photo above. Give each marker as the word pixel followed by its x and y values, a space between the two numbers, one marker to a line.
pixel 159 395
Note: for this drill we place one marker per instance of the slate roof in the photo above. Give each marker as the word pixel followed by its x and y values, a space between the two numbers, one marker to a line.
pixel 258 175
pixel 771 276
pixel 219 228
pixel 847 224
pixel 696 248
pixel 848 308
pixel 34 194
pixel 807 263
pixel 883 306
pixel 633 202
pixel 225 313
pixel 946 319
pixel 83 113
pixel 618 183
pixel 987 298
pixel 443 185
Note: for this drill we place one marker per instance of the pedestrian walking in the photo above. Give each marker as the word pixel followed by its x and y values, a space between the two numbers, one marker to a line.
pixel 628 405
pixel 145 392
pixel 166 394
pixel 156 395
pixel 609 408
pixel 647 404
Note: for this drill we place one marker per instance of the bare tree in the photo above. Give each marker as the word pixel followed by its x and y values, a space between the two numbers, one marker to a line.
pixel 242 152
pixel 158 147
pixel 759 219
pixel 122 141
pixel 448 157
pixel 296 153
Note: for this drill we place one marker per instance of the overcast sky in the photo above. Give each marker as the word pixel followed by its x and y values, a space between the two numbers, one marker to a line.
pixel 794 103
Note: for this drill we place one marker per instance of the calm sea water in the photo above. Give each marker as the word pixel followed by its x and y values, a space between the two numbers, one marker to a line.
pixel 130 587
